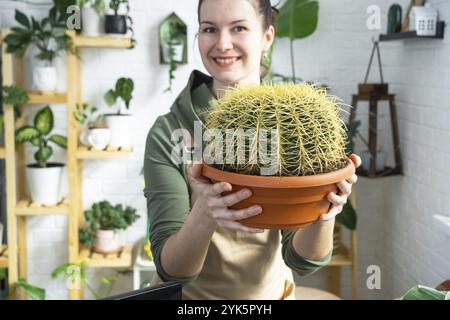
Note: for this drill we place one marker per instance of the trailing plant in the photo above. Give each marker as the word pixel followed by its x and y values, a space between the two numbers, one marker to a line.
pixel 123 89
pixel 173 35
pixel 85 115
pixel 309 137
pixel 115 6
pixel 39 136
pixel 45 35
pixel 104 216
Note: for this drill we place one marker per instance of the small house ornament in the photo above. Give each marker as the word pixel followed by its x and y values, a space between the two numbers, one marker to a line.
pixel 423 20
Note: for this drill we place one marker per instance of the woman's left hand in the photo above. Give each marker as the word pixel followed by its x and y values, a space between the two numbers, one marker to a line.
pixel 345 189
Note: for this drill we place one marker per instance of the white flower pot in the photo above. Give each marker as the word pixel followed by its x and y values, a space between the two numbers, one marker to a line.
pixel 93 24
pixel 97 138
pixel 44 79
pixel 366 156
pixel 120 126
pixel 107 241
pixel 178 52
pixel 44 183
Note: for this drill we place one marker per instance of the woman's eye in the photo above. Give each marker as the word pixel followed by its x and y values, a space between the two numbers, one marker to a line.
pixel 240 28
pixel 209 30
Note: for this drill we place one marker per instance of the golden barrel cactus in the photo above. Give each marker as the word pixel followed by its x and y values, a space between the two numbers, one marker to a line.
pixel 310 135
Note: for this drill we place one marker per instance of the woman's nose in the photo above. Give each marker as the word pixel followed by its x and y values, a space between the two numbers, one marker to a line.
pixel 224 42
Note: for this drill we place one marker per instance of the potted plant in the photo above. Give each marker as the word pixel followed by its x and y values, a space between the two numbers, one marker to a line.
pixel 307 151
pixel 43 172
pixel 15 96
pixel 95 134
pixel 92 17
pixel 120 123
pixel 48 39
pixel 119 23
pixel 104 221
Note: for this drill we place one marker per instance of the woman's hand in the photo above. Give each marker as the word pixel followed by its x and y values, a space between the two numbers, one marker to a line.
pixel 207 197
pixel 345 189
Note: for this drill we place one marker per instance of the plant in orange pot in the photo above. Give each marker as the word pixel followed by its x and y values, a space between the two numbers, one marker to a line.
pixel 285 142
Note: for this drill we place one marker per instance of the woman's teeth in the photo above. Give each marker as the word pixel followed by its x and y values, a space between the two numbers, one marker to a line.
pixel 226 61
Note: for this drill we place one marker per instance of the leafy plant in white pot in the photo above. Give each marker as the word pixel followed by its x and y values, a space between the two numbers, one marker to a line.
pixel 120 123
pixel 96 134
pixel 92 17
pixel 104 221
pixel 49 39
pixel 43 172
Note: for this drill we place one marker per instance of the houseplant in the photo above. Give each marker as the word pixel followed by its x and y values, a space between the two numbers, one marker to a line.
pixel 119 23
pixel 43 172
pixel 95 133
pixel 104 221
pixel 92 17
pixel 297 19
pixel 307 151
pixel 15 96
pixel 49 40
pixel 120 123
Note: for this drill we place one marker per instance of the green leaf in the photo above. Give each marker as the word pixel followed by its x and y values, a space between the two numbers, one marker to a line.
pixel 124 89
pixel 26 133
pixel 297 19
pixel 420 292
pixel 43 154
pixel 347 217
pixel 36 141
pixel 59 140
pixel 44 120
pixel 33 292
pixel 110 98
pixel 22 19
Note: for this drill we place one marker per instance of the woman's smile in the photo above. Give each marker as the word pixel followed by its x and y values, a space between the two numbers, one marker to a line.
pixel 226 62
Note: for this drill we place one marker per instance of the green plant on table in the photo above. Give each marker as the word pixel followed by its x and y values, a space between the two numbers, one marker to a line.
pixel 39 136
pixel 104 216
pixel 123 90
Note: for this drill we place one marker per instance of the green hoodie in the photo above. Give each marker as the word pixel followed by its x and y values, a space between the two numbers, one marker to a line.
pixel 166 187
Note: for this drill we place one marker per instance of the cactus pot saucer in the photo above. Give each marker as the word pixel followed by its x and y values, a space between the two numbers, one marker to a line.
pixel 287 202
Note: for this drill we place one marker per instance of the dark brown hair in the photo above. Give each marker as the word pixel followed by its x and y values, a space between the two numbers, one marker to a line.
pixel 266 10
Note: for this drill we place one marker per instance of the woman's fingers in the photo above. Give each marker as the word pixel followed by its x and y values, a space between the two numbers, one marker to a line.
pixel 333 212
pixel 234 225
pixel 336 200
pixel 230 214
pixel 231 199
pixel 355 159
pixel 344 187
pixel 195 172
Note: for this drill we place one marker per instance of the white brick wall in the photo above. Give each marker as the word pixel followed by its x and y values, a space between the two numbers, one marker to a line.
pixel 396 230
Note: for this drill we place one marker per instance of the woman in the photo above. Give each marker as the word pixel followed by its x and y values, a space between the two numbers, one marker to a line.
pixel 196 239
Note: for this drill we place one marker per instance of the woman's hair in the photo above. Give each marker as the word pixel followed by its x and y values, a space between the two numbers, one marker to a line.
pixel 266 10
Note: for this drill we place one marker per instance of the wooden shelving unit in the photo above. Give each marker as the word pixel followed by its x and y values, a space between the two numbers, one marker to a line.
pixel 14 256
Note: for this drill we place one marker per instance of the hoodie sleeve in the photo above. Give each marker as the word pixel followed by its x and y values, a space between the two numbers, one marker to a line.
pixel 166 191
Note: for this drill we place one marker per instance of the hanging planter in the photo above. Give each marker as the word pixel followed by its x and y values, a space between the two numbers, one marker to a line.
pixel 173 40
pixel 302 128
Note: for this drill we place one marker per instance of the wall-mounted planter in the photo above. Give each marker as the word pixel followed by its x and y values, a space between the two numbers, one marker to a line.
pixel 173 35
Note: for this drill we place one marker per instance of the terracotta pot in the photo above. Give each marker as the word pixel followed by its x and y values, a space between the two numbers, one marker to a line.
pixel 287 202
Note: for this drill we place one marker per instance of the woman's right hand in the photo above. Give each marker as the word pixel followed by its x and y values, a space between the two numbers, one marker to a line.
pixel 207 198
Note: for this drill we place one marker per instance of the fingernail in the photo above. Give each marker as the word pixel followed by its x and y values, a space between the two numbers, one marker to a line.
pixel 246 193
pixel 257 209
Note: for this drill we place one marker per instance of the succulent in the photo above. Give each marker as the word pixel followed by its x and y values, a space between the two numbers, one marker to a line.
pixel 310 136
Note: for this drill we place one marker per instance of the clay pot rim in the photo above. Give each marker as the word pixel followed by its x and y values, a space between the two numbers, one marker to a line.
pixel 280 182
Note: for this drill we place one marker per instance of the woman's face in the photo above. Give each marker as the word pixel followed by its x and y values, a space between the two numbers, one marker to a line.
pixel 231 41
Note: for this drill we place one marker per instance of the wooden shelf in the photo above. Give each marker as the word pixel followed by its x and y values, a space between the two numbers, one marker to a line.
pixel 88 153
pixel 46 97
pixel 341 257
pixel 413 34
pixel 388 171
pixel 26 207
pixel 105 41
pixel 2 153
pixel 92 259
pixel 3 256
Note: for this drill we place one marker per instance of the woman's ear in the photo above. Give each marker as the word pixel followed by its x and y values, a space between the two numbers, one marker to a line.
pixel 269 36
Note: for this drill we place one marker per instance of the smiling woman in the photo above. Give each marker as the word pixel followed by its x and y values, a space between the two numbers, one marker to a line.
pixel 196 238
